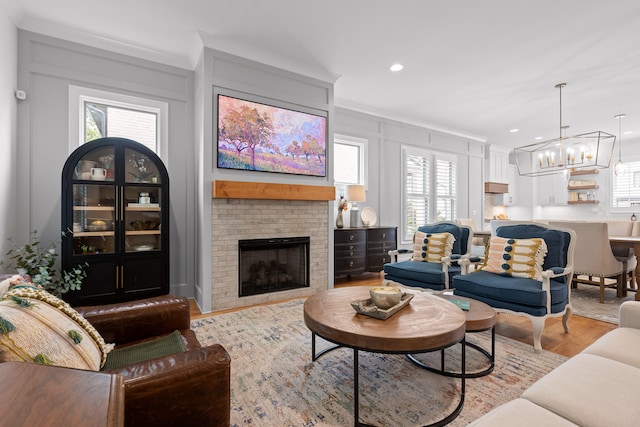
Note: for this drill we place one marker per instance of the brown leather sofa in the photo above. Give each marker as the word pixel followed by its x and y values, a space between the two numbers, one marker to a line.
pixel 184 389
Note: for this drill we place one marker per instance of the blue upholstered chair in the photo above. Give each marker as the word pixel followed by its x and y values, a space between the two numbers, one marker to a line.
pixel 531 298
pixel 431 275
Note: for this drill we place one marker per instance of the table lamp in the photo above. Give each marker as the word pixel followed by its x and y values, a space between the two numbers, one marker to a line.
pixel 355 193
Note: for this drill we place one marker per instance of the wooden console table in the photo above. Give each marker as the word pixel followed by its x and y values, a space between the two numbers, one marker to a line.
pixel 36 395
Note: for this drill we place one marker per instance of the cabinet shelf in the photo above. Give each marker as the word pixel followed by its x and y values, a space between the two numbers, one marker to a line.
pixel 142 232
pixel 583 187
pixel 93 234
pixel 583 202
pixel 139 209
pixel 93 208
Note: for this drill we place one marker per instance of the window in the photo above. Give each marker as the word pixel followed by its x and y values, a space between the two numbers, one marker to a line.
pixel 349 160
pixel 429 189
pixel 97 114
pixel 625 189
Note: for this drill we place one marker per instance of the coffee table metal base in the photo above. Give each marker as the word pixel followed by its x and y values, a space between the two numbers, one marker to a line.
pixel 442 371
pixel 356 377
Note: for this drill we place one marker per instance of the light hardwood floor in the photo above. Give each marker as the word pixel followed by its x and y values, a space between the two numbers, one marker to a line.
pixel 582 331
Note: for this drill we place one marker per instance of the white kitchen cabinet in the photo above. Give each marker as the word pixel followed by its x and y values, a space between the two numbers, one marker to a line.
pixel 552 190
pixel 497 164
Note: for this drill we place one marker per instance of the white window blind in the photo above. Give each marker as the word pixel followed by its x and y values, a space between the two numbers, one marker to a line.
pixel 417 192
pixel 445 190
pixel 625 189
pixel 429 189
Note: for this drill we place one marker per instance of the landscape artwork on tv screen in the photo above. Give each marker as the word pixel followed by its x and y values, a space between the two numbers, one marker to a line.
pixel 261 137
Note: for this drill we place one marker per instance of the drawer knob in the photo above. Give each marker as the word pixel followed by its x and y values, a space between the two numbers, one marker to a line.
pixel 351 236
pixel 384 235
pixel 350 253
pixel 350 247
pixel 350 263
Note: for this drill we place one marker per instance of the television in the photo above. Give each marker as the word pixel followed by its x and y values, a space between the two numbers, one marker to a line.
pixel 261 137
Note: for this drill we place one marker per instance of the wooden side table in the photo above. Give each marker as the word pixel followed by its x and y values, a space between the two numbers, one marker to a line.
pixel 36 395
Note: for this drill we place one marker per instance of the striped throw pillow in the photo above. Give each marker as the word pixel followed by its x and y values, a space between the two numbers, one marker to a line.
pixel 515 257
pixel 432 247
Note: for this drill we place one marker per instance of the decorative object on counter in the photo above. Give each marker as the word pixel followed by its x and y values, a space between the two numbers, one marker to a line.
pixel 38 261
pixel 591 150
pixel 633 217
pixel 619 169
pixel 343 205
pixel 368 216
pixel 355 193
pixel 369 308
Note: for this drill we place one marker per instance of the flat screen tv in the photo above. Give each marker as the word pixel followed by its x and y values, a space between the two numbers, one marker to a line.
pixel 261 137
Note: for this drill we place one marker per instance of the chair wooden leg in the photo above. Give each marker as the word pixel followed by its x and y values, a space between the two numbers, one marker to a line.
pixel 601 290
pixel 622 284
pixel 565 319
pixel 538 328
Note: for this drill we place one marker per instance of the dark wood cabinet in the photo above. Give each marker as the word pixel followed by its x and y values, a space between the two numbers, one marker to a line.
pixel 115 200
pixel 360 250
pixel 379 242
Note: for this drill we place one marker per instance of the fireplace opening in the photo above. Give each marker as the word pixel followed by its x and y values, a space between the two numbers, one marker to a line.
pixel 272 265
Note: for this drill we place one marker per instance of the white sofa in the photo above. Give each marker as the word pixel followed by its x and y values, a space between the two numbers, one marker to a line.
pixel 598 387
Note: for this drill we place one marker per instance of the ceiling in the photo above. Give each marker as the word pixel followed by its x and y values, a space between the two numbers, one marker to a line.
pixel 473 68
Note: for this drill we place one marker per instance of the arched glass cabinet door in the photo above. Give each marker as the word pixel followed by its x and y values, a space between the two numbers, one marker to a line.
pixel 93 208
pixel 143 202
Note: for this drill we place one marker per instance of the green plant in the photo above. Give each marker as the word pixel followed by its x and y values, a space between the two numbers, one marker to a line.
pixel 38 261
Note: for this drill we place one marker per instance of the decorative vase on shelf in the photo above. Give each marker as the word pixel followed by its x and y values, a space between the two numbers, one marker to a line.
pixel 633 217
pixel 339 220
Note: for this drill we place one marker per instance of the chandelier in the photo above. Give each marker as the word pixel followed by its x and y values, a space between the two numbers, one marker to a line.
pixel 591 150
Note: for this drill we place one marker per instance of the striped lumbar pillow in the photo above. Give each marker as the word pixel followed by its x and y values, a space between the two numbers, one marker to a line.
pixel 515 257
pixel 432 247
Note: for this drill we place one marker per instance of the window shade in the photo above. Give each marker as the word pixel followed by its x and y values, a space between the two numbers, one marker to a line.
pixel 625 189
pixel 416 192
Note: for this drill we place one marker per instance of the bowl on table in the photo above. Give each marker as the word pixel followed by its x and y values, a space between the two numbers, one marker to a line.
pixel 385 297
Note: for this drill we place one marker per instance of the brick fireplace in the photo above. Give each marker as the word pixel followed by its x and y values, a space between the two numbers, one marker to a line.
pixel 264 212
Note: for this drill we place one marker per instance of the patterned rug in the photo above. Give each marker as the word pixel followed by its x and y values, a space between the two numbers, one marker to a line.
pixel 585 301
pixel 275 382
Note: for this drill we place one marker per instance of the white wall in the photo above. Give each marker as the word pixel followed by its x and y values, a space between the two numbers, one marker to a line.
pixel 386 138
pixel 47 66
pixel 8 128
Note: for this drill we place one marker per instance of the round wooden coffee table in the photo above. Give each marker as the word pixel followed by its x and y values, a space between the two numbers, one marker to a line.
pixel 427 324
pixel 479 317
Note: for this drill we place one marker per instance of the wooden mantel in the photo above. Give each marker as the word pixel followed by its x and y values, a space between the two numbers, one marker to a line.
pixel 268 191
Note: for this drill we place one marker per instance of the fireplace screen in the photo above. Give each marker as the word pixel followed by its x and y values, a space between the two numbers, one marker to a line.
pixel 272 265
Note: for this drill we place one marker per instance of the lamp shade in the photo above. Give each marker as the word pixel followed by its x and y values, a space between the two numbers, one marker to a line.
pixel 356 193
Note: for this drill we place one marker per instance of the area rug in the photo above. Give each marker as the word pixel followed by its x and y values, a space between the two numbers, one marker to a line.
pixel 275 382
pixel 585 301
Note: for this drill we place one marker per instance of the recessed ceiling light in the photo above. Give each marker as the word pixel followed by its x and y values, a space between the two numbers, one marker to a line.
pixel 538 138
pixel 396 67
pixel 514 130
pixel 628 132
